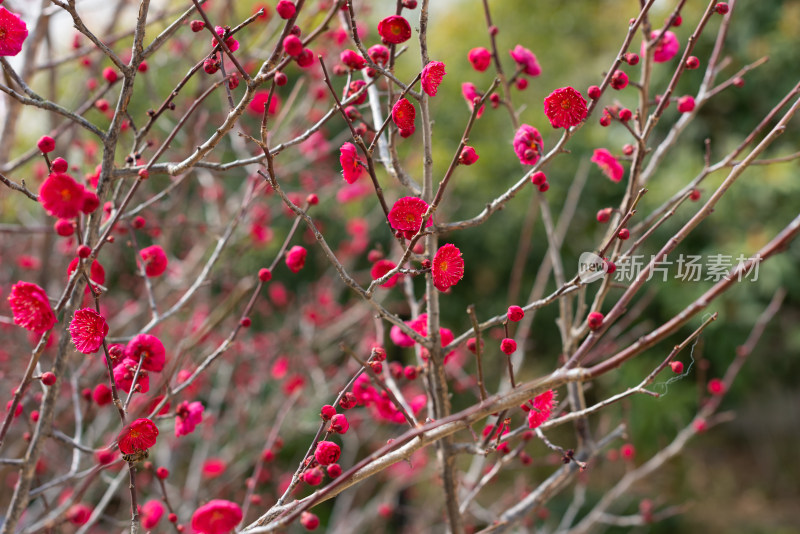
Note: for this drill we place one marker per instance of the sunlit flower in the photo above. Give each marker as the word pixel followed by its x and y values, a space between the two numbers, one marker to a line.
pixel 565 107
pixel 406 215
pixel 432 75
pixel 61 196
pixel 447 267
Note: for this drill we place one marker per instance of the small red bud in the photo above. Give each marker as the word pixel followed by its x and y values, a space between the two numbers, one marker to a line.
pixel 245 322
pixel 631 58
pixel 595 320
pixel 692 62
pixel 265 275
pixel 627 149
pixel 515 313
pixel 285 9
pixel 64 227
pixel 280 79
pixel 110 75
pixel 46 144
pixel 604 215
pixel 60 165
pixel 544 187
pixel 538 178
pixel 197 25
pixel 327 412
pixel 508 346
pixel 162 473
pixel 677 367
pixel 625 114
pixel 694 196
pixel 593 92
pixel 84 251
pixel 48 378
pixel 624 234
pixel 312 199
pixel 722 8
pixel 410 372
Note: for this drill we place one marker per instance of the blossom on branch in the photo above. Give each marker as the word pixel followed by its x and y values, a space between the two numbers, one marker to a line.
pixel 526 60
pixel 447 267
pixel 666 48
pixel 188 416
pixel 394 30
pixel 403 114
pixel 138 436
pixel 31 307
pixel 217 516
pixel 541 408
pixel 88 329
pixel 406 215
pixel 149 348
pixel 352 166
pixel 565 107
pixel 13 32
pixel 155 260
pixel 61 196
pixel 528 144
pixel 432 75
